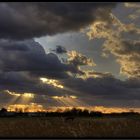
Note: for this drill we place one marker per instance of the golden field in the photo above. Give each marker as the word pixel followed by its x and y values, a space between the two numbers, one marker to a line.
pixel 59 127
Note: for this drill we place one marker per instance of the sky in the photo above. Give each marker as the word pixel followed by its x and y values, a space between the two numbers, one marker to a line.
pixel 70 54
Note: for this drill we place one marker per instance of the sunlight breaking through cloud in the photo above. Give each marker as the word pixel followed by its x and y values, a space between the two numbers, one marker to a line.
pixel 27 95
pixel 52 82
pixel 63 97
pixel 125 50
pixel 32 107
pixel 12 93
pixel 69 101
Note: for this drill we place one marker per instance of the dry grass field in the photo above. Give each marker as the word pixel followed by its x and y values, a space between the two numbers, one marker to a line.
pixel 79 127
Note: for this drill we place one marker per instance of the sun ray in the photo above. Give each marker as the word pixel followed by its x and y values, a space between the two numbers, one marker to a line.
pixel 71 101
pixel 20 97
pixel 52 82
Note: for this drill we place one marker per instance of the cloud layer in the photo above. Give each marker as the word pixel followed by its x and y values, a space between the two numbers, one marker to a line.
pixel 23 61
pixel 28 20
pixel 121 40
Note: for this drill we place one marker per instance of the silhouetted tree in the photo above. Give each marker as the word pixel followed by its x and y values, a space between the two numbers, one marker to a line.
pixel 96 114
pixel 3 110
pixel 85 112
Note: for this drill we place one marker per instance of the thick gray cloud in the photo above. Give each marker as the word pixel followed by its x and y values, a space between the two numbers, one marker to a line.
pixel 105 87
pixel 22 63
pixel 27 20
pixel 29 56
pixel 122 41
pixel 23 82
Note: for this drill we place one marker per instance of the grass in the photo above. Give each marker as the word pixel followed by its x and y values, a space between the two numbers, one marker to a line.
pixel 79 127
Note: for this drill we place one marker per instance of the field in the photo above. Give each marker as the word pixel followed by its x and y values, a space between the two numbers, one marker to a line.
pixel 59 127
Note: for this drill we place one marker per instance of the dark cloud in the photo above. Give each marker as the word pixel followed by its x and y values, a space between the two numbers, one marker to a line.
pixel 60 49
pixel 51 74
pixel 27 20
pixel 22 63
pixel 30 56
pixel 22 68
pixel 107 88
pixel 23 82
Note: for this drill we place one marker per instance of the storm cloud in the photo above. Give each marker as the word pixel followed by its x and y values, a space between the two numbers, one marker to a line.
pixel 106 88
pixel 121 40
pixel 35 19
pixel 24 61
pixel 29 56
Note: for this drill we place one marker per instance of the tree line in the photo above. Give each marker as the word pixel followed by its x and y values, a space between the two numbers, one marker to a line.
pixel 74 112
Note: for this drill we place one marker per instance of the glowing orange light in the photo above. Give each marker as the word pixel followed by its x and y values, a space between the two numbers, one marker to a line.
pixel 13 93
pixel 52 82
pixel 32 107
pixel 28 95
